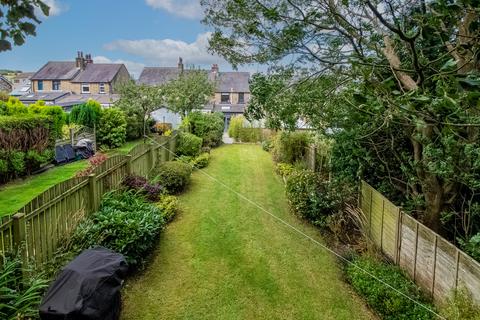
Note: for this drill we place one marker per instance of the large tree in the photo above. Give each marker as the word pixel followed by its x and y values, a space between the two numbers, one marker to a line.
pixel 190 91
pixel 406 73
pixel 17 21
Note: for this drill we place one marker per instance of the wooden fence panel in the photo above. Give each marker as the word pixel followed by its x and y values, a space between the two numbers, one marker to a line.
pixel 436 265
pixel 40 226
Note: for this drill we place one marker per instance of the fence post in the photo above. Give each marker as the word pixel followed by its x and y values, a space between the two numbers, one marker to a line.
pixel 129 164
pixel 19 234
pixel 416 249
pixel 72 137
pixel 151 157
pixel 381 225
pixel 434 265
pixel 457 263
pixel 398 238
pixel 93 193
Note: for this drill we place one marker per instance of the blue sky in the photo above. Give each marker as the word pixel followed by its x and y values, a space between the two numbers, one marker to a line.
pixel 135 32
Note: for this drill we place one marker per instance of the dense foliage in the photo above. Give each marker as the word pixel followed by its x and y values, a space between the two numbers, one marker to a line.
pixel 173 175
pixel 168 204
pixel 201 161
pixel 20 296
pixel 243 131
pixel 396 83
pixel 389 304
pixel 208 126
pixel 290 147
pixel 87 114
pixel 151 191
pixel 112 128
pixel 188 144
pixel 26 143
pixel 108 226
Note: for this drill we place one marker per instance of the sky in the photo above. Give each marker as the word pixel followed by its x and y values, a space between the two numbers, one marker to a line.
pixel 135 32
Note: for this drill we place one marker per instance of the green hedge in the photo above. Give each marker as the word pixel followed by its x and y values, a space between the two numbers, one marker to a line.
pixel 26 143
pixel 208 126
pixel 290 147
pixel 112 128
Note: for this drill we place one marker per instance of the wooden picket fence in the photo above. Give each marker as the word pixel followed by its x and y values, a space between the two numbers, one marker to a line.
pixel 38 228
pixel 435 264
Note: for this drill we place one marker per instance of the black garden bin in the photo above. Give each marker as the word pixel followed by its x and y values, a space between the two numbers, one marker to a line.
pixel 88 288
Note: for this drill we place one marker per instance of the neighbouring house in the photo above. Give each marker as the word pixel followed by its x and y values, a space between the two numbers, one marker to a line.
pixel 68 83
pixel 5 84
pixel 21 84
pixel 231 96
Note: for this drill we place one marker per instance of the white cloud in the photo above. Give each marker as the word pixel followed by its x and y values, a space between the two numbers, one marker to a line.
pixel 190 9
pixel 166 52
pixel 135 68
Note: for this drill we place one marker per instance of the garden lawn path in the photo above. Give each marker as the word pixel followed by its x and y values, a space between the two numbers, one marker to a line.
pixel 223 258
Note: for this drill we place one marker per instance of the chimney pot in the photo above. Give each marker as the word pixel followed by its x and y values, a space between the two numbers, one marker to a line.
pixel 180 64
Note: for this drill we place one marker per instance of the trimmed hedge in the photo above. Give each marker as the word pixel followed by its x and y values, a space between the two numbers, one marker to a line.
pixel 189 144
pixel 173 175
pixel 26 143
pixel 290 147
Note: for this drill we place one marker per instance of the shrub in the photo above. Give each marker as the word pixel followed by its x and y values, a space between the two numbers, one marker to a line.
pixel 87 114
pixel 94 162
pixel 389 304
pixel 21 295
pixel 201 161
pixel 267 145
pixel 12 107
pixel 112 128
pixel 188 144
pixel 208 126
pixel 313 199
pixel 461 306
pixel 125 223
pixel 236 123
pixel 173 175
pixel 54 113
pixel 290 147
pixel 471 246
pixel 134 127
pixel 161 127
pixel 250 134
pixel 151 191
pixel 284 169
pixel 168 204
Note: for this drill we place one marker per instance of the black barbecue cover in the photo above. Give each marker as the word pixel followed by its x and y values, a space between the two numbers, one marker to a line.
pixel 87 288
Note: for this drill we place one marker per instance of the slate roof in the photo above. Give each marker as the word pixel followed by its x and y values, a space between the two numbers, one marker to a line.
pixel 56 70
pixel 74 99
pixel 45 96
pixel 226 81
pixel 24 75
pixel 158 75
pixel 98 72
pixel 233 82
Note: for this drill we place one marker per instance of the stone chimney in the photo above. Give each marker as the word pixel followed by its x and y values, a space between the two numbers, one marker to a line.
pixel 180 64
pixel 88 58
pixel 80 61
pixel 215 68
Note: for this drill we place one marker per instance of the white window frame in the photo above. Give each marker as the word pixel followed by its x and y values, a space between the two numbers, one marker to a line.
pixel 101 87
pixel 85 85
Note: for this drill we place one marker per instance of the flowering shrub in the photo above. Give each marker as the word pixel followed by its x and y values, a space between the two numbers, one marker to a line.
pixel 94 162
pixel 152 191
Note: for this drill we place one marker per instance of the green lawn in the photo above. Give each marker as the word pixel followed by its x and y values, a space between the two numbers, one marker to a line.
pixel 223 258
pixel 16 194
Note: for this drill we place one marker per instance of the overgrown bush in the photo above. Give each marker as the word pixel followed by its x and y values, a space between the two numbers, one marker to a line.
pixel 55 113
pixel 173 175
pixel 87 114
pixel 236 123
pixel 151 191
pixel 389 304
pixel 189 144
pixel 112 128
pixel 250 134
pixel 290 147
pixel 125 223
pixel 168 204
pixel 20 295
pixel 208 126
pixel 314 199
pixel 267 145
pixel 93 162
pixel 461 306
